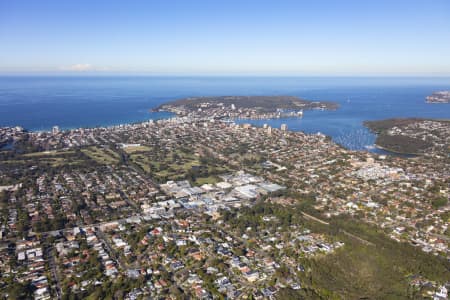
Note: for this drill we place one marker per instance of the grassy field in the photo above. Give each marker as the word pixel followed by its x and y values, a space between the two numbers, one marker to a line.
pixel 102 155
pixel 134 149
pixel 172 166
pixel 206 180
pixel 176 165
pixel 70 157
pixel 52 158
pixel 142 161
pixel 49 153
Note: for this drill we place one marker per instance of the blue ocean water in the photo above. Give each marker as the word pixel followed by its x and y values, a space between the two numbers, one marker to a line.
pixel 38 103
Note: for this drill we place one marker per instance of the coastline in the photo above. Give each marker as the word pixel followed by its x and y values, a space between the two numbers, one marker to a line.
pixel 172 115
pixel 396 152
pixel 111 124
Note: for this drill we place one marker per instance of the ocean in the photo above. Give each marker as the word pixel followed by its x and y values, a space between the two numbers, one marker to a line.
pixel 38 103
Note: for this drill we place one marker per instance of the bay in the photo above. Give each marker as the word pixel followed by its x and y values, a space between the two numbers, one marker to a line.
pixel 40 102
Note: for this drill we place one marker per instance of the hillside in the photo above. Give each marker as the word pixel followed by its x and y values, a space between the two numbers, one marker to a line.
pixel 412 135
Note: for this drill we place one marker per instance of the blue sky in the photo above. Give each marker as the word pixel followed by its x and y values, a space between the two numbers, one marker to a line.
pixel 335 37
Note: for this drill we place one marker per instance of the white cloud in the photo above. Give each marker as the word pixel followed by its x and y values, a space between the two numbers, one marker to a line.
pixel 78 68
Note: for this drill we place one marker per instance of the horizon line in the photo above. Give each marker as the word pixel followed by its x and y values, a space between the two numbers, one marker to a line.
pixel 175 74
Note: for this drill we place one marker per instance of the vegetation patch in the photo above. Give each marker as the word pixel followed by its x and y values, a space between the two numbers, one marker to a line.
pixel 134 149
pixel 102 155
pixel 402 144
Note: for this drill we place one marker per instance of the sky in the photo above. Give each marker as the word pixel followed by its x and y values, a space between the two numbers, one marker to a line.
pixel 314 37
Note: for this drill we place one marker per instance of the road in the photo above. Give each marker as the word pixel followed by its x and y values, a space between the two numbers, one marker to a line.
pixel 111 250
pixel 307 216
pixel 363 241
pixel 53 270
pixel 127 200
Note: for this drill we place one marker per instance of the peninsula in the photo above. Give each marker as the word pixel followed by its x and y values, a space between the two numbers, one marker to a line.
pixel 439 97
pixel 412 135
pixel 244 107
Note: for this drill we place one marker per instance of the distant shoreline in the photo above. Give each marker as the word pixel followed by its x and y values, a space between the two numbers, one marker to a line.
pixel 38 104
pixel 394 151
pixel 440 97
